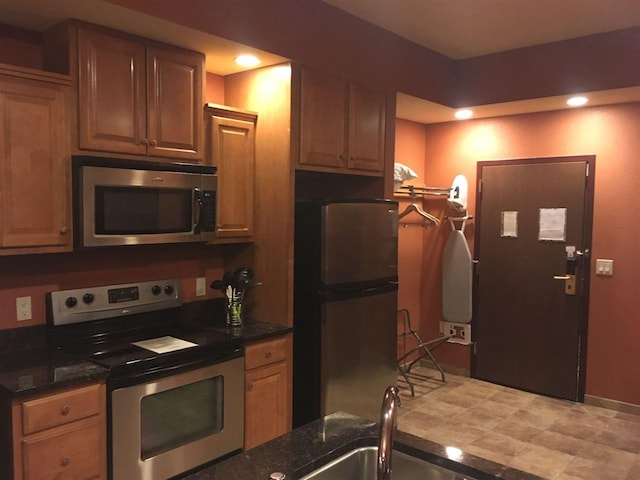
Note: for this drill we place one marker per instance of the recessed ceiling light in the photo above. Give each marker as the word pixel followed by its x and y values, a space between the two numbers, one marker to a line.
pixel 247 60
pixel 463 114
pixel 577 101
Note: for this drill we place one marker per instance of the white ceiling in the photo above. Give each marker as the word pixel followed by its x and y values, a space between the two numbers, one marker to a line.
pixel 456 28
pixel 39 15
pixel 469 28
pixel 463 29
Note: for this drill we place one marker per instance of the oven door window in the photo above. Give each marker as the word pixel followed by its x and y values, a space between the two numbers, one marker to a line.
pixel 181 415
pixel 142 210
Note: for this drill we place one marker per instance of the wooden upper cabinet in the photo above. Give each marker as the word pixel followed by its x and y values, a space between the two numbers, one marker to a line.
pixel 323 115
pixel 231 141
pixel 138 97
pixel 111 100
pixel 174 103
pixel 35 200
pixel 342 125
pixel 366 128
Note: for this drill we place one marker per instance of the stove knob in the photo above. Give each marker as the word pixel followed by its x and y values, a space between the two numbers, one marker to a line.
pixel 71 302
pixel 88 298
pixel 156 290
pixel 168 289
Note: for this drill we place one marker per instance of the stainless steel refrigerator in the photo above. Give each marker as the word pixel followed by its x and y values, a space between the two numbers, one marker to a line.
pixel 345 303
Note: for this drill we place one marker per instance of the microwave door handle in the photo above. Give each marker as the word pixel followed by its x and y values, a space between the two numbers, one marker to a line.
pixel 199 201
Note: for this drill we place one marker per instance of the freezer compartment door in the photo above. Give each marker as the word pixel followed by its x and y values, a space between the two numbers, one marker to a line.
pixel 358 359
pixel 359 242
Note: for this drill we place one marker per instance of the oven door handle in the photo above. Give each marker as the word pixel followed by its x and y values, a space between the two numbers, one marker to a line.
pixel 149 374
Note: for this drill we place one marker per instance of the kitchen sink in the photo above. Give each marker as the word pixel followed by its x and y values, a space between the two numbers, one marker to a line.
pixel 360 464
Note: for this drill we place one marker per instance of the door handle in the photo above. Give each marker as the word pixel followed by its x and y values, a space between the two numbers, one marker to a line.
pixel 569 283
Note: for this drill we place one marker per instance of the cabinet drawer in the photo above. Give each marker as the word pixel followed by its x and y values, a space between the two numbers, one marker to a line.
pixel 265 352
pixel 61 408
pixel 65 453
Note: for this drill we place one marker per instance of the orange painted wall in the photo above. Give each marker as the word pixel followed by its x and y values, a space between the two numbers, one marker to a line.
pixel 612 133
pixel 35 275
pixel 20 47
pixel 214 91
pixel 408 151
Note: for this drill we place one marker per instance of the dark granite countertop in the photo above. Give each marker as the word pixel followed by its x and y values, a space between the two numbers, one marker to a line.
pixel 311 446
pixel 41 369
pixel 30 366
pixel 253 330
pixel 210 314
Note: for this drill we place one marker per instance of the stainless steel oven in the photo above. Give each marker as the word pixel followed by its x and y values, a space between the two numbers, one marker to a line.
pixel 175 388
pixel 164 427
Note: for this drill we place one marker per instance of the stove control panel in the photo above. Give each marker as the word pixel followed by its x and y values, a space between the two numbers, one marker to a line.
pixel 109 301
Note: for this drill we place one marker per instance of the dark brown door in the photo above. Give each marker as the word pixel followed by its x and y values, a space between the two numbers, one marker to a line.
pixel 533 229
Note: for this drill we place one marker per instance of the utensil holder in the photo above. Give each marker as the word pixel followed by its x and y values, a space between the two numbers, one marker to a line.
pixel 234 311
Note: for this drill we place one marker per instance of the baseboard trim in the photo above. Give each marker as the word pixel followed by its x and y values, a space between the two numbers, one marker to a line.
pixel 612 404
pixel 453 370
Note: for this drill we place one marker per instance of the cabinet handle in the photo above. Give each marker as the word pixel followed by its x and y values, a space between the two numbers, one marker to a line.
pixel 65 410
pixel 63 230
pixel 64 462
pixel 267 355
pixel 144 141
pixel 154 143
pixel 249 387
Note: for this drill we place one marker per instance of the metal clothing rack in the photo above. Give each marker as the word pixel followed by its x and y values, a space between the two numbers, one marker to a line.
pixel 423 348
pixel 414 191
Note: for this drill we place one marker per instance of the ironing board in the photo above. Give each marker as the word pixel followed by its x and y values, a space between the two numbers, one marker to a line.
pixel 456 279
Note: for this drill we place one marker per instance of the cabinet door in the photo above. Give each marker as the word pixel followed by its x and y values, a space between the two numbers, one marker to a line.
pixel 111 95
pixel 232 143
pixel 266 405
pixel 174 100
pixel 34 160
pixel 323 113
pixel 66 453
pixel 366 129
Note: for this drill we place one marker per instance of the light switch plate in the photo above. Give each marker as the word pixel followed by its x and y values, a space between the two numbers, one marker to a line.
pixel 604 266
pixel 201 286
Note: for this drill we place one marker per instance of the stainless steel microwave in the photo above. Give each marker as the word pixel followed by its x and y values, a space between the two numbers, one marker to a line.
pixel 132 202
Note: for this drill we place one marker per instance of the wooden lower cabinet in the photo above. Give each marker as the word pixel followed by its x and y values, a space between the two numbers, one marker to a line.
pixel 268 378
pixel 61 436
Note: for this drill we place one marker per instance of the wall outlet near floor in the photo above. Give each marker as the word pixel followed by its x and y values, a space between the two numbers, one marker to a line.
pixel 461 332
pixel 23 308
pixel 201 286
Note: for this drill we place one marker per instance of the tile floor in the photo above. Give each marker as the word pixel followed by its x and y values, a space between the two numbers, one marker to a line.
pixel 554 439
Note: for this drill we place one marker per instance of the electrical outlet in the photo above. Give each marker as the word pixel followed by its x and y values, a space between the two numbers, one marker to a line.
pixel 461 332
pixel 201 286
pixel 23 308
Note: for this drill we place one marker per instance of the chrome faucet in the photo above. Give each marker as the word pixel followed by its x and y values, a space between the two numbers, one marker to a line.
pixel 390 404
